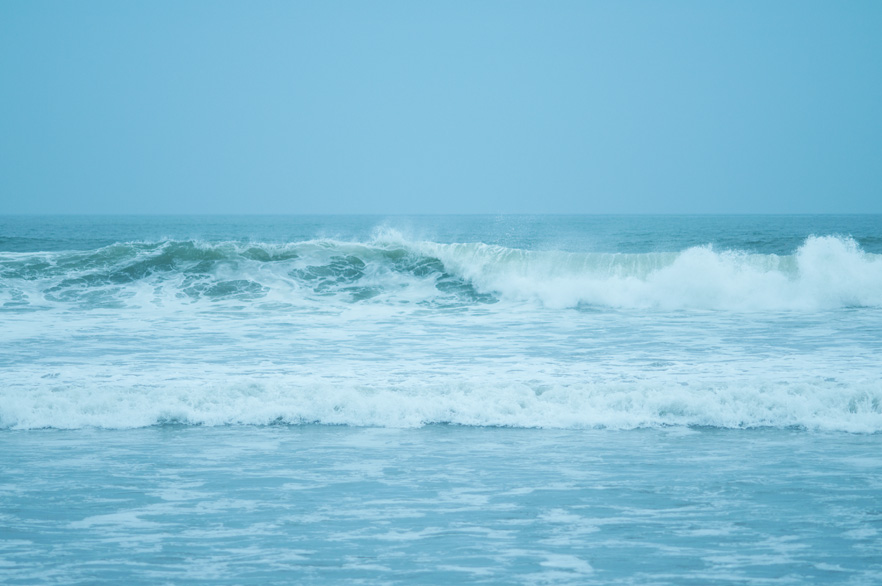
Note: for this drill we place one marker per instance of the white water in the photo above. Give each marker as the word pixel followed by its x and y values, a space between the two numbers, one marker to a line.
pixel 468 400
pixel 826 272
pixel 400 332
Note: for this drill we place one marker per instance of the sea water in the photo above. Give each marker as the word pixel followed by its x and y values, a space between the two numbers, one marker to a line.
pixel 490 399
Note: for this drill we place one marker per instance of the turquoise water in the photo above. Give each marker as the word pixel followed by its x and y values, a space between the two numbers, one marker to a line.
pixel 440 504
pixel 506 399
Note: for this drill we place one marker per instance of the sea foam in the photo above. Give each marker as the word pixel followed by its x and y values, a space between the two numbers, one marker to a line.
pixel 811 404
pixel 825 272
pixel 403 332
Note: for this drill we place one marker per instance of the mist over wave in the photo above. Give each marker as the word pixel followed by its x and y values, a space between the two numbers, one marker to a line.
pixel 825 272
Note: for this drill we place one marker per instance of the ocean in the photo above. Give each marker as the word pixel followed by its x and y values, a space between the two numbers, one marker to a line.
pixel 428 399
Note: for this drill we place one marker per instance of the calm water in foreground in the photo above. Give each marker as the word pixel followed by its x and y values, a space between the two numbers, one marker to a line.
pixel 515 399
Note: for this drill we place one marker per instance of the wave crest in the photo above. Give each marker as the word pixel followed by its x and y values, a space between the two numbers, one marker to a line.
pixel 826 272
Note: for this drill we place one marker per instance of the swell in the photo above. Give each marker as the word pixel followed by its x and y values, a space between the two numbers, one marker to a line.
pixel 825 272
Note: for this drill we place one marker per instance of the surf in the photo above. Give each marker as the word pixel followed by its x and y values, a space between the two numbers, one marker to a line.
pixel 825 272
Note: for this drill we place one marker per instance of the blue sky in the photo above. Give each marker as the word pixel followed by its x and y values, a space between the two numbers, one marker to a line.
pixel 440 107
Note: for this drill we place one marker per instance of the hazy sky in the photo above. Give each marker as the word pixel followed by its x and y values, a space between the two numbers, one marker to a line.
pixel 440 107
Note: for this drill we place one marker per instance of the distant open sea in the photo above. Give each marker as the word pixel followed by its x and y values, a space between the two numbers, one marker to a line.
pixel 437 399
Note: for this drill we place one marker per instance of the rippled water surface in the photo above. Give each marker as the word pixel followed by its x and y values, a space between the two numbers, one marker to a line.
pixel 440 504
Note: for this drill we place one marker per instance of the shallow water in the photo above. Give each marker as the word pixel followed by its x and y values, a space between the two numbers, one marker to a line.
pixel 313 504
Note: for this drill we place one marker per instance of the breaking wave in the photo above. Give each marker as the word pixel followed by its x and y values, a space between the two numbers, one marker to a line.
pixel 825 272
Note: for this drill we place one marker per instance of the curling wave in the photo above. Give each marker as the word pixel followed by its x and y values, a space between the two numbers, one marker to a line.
pixel 826 272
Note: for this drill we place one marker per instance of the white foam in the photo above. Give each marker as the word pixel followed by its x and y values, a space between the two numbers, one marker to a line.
pixel 812 404
pixel 826 272
pixel 294 355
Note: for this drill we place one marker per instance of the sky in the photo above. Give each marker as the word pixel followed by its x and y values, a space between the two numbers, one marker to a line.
pixel 447 106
